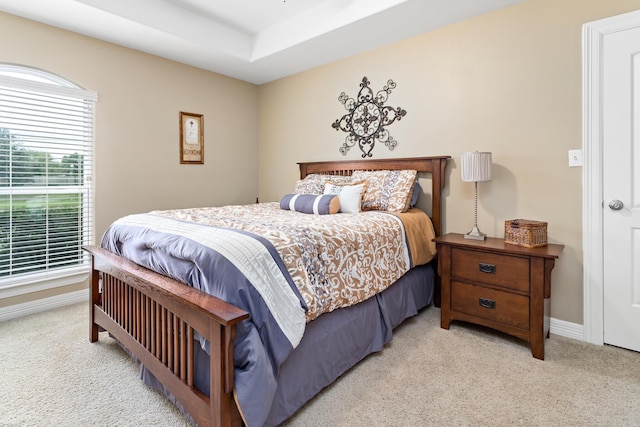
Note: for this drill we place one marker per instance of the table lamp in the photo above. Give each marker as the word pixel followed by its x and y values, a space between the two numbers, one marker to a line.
pixel 475 167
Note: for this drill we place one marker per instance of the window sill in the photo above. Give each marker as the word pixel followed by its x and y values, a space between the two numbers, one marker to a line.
pixel 44 281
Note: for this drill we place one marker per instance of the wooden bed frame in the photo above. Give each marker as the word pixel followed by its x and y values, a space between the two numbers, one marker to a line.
pixel 155 317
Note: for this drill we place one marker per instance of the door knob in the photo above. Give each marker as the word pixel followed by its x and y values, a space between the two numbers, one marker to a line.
pixel 616 205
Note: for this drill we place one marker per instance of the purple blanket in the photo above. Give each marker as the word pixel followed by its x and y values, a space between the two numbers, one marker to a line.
pixel 260 346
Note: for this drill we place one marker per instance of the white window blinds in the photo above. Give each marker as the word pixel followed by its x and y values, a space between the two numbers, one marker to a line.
pixel 46 148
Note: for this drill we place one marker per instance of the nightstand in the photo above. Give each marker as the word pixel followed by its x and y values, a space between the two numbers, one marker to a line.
pixel 498 285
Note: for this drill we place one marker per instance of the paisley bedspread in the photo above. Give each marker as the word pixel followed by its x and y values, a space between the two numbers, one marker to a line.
pixel 284 267
pixel 334 260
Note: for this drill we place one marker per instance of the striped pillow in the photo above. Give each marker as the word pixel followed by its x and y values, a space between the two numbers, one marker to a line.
pixel 311 203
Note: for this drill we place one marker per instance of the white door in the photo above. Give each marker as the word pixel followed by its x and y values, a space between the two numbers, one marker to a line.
pixel 621 188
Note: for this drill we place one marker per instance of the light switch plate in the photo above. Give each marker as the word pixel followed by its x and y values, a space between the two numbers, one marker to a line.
pixel 575 158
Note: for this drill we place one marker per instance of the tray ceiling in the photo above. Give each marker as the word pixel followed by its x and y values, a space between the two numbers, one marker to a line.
pixel 253 40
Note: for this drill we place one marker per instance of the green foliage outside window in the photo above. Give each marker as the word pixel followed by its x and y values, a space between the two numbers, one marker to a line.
pixel 38 231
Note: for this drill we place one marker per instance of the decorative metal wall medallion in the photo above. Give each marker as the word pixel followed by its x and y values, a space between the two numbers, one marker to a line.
pixel 367 118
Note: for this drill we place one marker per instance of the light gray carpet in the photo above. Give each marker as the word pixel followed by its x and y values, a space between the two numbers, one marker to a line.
pixel 467 376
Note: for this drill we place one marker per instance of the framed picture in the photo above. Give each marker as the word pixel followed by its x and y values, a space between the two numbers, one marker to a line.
pixel 191 138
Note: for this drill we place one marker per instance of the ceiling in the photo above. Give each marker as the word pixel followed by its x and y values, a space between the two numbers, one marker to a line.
pixel 252 40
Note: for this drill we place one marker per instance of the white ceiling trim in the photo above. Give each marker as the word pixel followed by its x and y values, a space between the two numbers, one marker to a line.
pixel 321 19
pixel 253 40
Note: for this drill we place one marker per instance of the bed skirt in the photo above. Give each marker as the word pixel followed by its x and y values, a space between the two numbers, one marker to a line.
pixel 332 343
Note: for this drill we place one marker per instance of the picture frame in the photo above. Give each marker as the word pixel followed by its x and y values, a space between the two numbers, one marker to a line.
pixel 191 138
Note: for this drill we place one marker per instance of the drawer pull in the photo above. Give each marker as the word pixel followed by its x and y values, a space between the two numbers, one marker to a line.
pixel 487 303
pixel 487 268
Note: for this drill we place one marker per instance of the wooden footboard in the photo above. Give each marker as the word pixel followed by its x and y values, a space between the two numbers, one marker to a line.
pixel 155 318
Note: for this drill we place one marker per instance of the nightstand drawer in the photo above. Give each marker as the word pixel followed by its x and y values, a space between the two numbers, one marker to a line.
pixel 501 270
pixel 490 304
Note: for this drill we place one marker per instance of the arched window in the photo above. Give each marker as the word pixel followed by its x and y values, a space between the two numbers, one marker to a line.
pixel 46 208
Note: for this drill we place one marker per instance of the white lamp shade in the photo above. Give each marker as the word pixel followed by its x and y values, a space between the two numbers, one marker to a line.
pixel 475 166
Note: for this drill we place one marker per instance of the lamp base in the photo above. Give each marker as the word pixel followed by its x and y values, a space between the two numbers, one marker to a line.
pixel 475 234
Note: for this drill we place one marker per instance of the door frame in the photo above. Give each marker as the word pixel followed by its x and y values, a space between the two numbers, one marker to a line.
pixel 593 34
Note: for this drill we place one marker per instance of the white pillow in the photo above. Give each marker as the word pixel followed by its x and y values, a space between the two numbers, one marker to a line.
pixel 350 196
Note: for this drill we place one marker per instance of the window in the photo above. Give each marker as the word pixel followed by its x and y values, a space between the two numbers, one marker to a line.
pixel 46 147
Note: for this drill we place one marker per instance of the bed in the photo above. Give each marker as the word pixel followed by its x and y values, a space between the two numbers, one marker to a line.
pixel 205 353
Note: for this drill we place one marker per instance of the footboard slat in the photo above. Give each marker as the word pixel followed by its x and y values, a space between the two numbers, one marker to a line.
pixel 146 322
pixel 155 318
pixel 136 308
pixel 190 357
pixel 158 331
pixel 170 339
pixel 163 336
pixel 183 351
pixel 176 345
pixel 154 327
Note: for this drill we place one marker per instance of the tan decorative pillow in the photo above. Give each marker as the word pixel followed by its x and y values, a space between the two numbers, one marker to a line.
pixel 314 183
pixel 387 190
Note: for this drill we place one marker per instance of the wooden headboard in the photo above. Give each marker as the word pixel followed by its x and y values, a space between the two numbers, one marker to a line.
pixel 433 165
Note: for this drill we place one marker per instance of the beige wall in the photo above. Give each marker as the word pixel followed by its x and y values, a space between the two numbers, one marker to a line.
pixel 136 142
pixel 508 82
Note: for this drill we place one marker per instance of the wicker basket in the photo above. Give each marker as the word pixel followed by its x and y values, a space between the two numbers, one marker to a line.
pixel 524 232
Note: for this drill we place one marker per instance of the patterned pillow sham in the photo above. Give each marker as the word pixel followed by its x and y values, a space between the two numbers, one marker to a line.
pixel 350 195
pixel 314 183
pixel 311 203
pixel 387 190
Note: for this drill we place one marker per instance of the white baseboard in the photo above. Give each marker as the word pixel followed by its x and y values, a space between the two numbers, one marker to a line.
pixel 566 329
pixel 44 304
